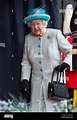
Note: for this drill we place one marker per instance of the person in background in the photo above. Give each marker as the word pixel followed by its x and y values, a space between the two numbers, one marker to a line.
pixel 71 76
pixel 41 54
pixel 67 18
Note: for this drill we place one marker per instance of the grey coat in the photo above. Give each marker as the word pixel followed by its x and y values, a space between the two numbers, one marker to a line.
pixel 42 54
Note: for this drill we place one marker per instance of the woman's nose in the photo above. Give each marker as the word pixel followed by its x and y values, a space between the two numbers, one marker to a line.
pixel 35 25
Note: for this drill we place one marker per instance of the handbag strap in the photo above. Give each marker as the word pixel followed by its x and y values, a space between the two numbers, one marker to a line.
pixel 59 75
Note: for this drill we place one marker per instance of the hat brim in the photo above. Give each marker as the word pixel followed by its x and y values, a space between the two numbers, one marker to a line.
pixel 36 17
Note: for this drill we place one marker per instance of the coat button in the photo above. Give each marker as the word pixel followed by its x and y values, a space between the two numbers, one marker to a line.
pixel 40 61
pixel 42 77
pixel 39 38
pixel 39 45
pixel 41 70
pixel 39 53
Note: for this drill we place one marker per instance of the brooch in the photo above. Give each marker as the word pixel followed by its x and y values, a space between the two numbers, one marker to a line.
pixel 48 37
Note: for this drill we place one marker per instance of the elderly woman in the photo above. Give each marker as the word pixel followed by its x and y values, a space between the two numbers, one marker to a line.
pixel 42 53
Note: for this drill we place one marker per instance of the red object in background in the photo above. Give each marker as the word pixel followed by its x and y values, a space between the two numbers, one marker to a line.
pixel 71 76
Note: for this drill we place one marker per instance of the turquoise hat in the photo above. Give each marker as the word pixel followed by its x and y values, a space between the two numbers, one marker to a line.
pixel 36 14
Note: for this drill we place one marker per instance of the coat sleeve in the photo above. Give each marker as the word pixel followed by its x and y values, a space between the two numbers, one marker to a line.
pixel 70 40
pixel 25 64
pixel 65 47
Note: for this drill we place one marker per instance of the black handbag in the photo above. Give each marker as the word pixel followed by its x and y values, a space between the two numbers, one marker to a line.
pixel 57 90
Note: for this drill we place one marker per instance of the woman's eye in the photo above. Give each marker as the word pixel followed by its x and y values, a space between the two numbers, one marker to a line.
pixel 38 23
pixel 32 24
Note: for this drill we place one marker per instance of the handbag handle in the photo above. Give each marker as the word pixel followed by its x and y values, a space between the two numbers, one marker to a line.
pixel 59 74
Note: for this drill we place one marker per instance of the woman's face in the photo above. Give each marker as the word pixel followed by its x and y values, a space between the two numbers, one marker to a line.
pixel 38 27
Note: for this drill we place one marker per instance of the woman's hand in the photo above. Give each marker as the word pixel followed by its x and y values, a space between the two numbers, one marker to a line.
pixel 26 89
pixel 74 51
pixel 61 67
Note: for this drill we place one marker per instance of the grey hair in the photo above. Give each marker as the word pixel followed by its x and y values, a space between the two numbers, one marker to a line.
pixel 44 22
